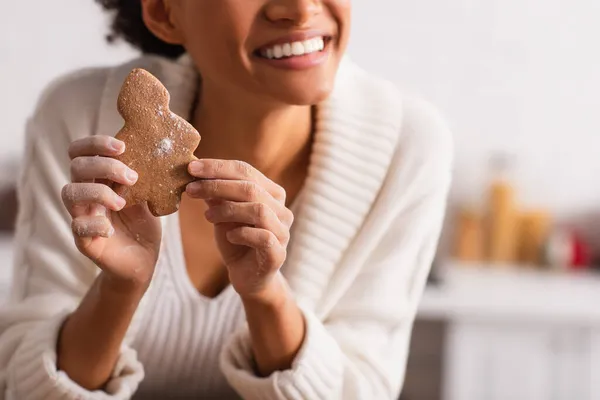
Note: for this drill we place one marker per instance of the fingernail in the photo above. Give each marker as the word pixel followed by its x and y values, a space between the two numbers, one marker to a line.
pixel 117 146
pixel 131 175
pixel 120 202
pixel 196 167
pixel 192 188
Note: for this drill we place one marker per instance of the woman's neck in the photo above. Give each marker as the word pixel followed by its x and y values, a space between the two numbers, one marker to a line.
pixel 273 138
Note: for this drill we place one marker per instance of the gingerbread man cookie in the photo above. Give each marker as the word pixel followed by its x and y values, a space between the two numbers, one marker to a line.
pixel 159 144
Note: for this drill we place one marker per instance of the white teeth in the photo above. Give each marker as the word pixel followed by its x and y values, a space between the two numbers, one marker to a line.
pixel 310 46
pixel 287 50
pixel 294 49
pixel 297 48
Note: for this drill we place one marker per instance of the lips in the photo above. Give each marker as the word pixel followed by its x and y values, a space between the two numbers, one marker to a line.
pixel 294 49
pixel 298 44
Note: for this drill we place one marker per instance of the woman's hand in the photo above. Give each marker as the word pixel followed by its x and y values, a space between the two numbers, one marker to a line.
pixel 252 223
pixel 123 243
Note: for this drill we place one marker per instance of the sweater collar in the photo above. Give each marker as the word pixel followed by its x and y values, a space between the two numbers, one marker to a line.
pixel 356 135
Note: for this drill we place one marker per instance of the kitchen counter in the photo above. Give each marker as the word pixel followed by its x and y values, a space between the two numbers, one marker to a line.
pixel 485 293
pixel 516 333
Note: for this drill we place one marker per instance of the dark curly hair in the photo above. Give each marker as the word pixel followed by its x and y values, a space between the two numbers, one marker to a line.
pixel 128 24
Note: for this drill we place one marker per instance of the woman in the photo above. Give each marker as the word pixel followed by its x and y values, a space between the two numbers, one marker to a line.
pixel 225 299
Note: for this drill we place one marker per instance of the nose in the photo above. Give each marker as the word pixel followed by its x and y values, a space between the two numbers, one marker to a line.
pixel 293 12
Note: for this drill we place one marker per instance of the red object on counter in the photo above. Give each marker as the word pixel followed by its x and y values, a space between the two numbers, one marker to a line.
pixel 581 253
pixel 566 250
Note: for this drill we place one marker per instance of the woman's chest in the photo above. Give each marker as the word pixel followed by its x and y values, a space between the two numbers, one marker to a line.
pixel 180 341
pixel 182 332
pixel 203 262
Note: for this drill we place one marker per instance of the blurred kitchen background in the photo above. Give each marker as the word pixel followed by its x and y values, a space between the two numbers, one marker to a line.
pixel 511 311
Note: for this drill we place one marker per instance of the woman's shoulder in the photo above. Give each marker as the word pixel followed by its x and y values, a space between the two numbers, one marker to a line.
pixel 75 101
pixel 414 111
pixel 75 94
pixel 418 129
pixel 425 129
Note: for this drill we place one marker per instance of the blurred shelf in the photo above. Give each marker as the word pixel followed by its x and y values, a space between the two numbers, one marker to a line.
pixel 483 293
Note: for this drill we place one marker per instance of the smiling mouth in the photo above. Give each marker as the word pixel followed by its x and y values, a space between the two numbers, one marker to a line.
pixel 294 49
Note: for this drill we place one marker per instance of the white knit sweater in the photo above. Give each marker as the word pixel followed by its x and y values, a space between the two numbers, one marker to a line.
pixel 366 229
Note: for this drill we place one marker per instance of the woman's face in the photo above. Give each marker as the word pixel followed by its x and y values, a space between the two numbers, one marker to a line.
pixel 288 50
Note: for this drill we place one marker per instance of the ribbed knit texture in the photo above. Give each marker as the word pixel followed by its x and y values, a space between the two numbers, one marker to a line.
pixel 367 224
pixel 187 329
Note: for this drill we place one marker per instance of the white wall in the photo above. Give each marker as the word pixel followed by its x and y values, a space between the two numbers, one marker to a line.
pixel 514 75
pixel 510 75
pixel 40 40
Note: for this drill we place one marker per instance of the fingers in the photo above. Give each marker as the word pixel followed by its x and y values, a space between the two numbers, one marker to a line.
pixel 85 168
pixel 90 227
pixel 96 146
pixel 270 254
pixel 231 190
pixel 217 191
pixel 258 215
pixel 243 191
pixel 235 170
pixel 77 195
pixel 91 161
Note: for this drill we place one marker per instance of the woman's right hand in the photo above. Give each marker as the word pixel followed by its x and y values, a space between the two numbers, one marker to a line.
pixel 124 243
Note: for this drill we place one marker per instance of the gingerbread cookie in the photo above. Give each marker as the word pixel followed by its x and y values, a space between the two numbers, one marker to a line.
pixel 159 144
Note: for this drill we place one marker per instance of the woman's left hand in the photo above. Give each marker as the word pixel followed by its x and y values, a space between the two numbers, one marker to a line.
pixel 252 223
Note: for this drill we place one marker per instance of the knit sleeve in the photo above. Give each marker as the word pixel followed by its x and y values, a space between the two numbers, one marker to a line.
pixel 50 276
pixel 359 349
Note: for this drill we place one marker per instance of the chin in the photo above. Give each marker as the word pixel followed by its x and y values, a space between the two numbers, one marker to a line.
pixel 301 88
pixel 303 95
